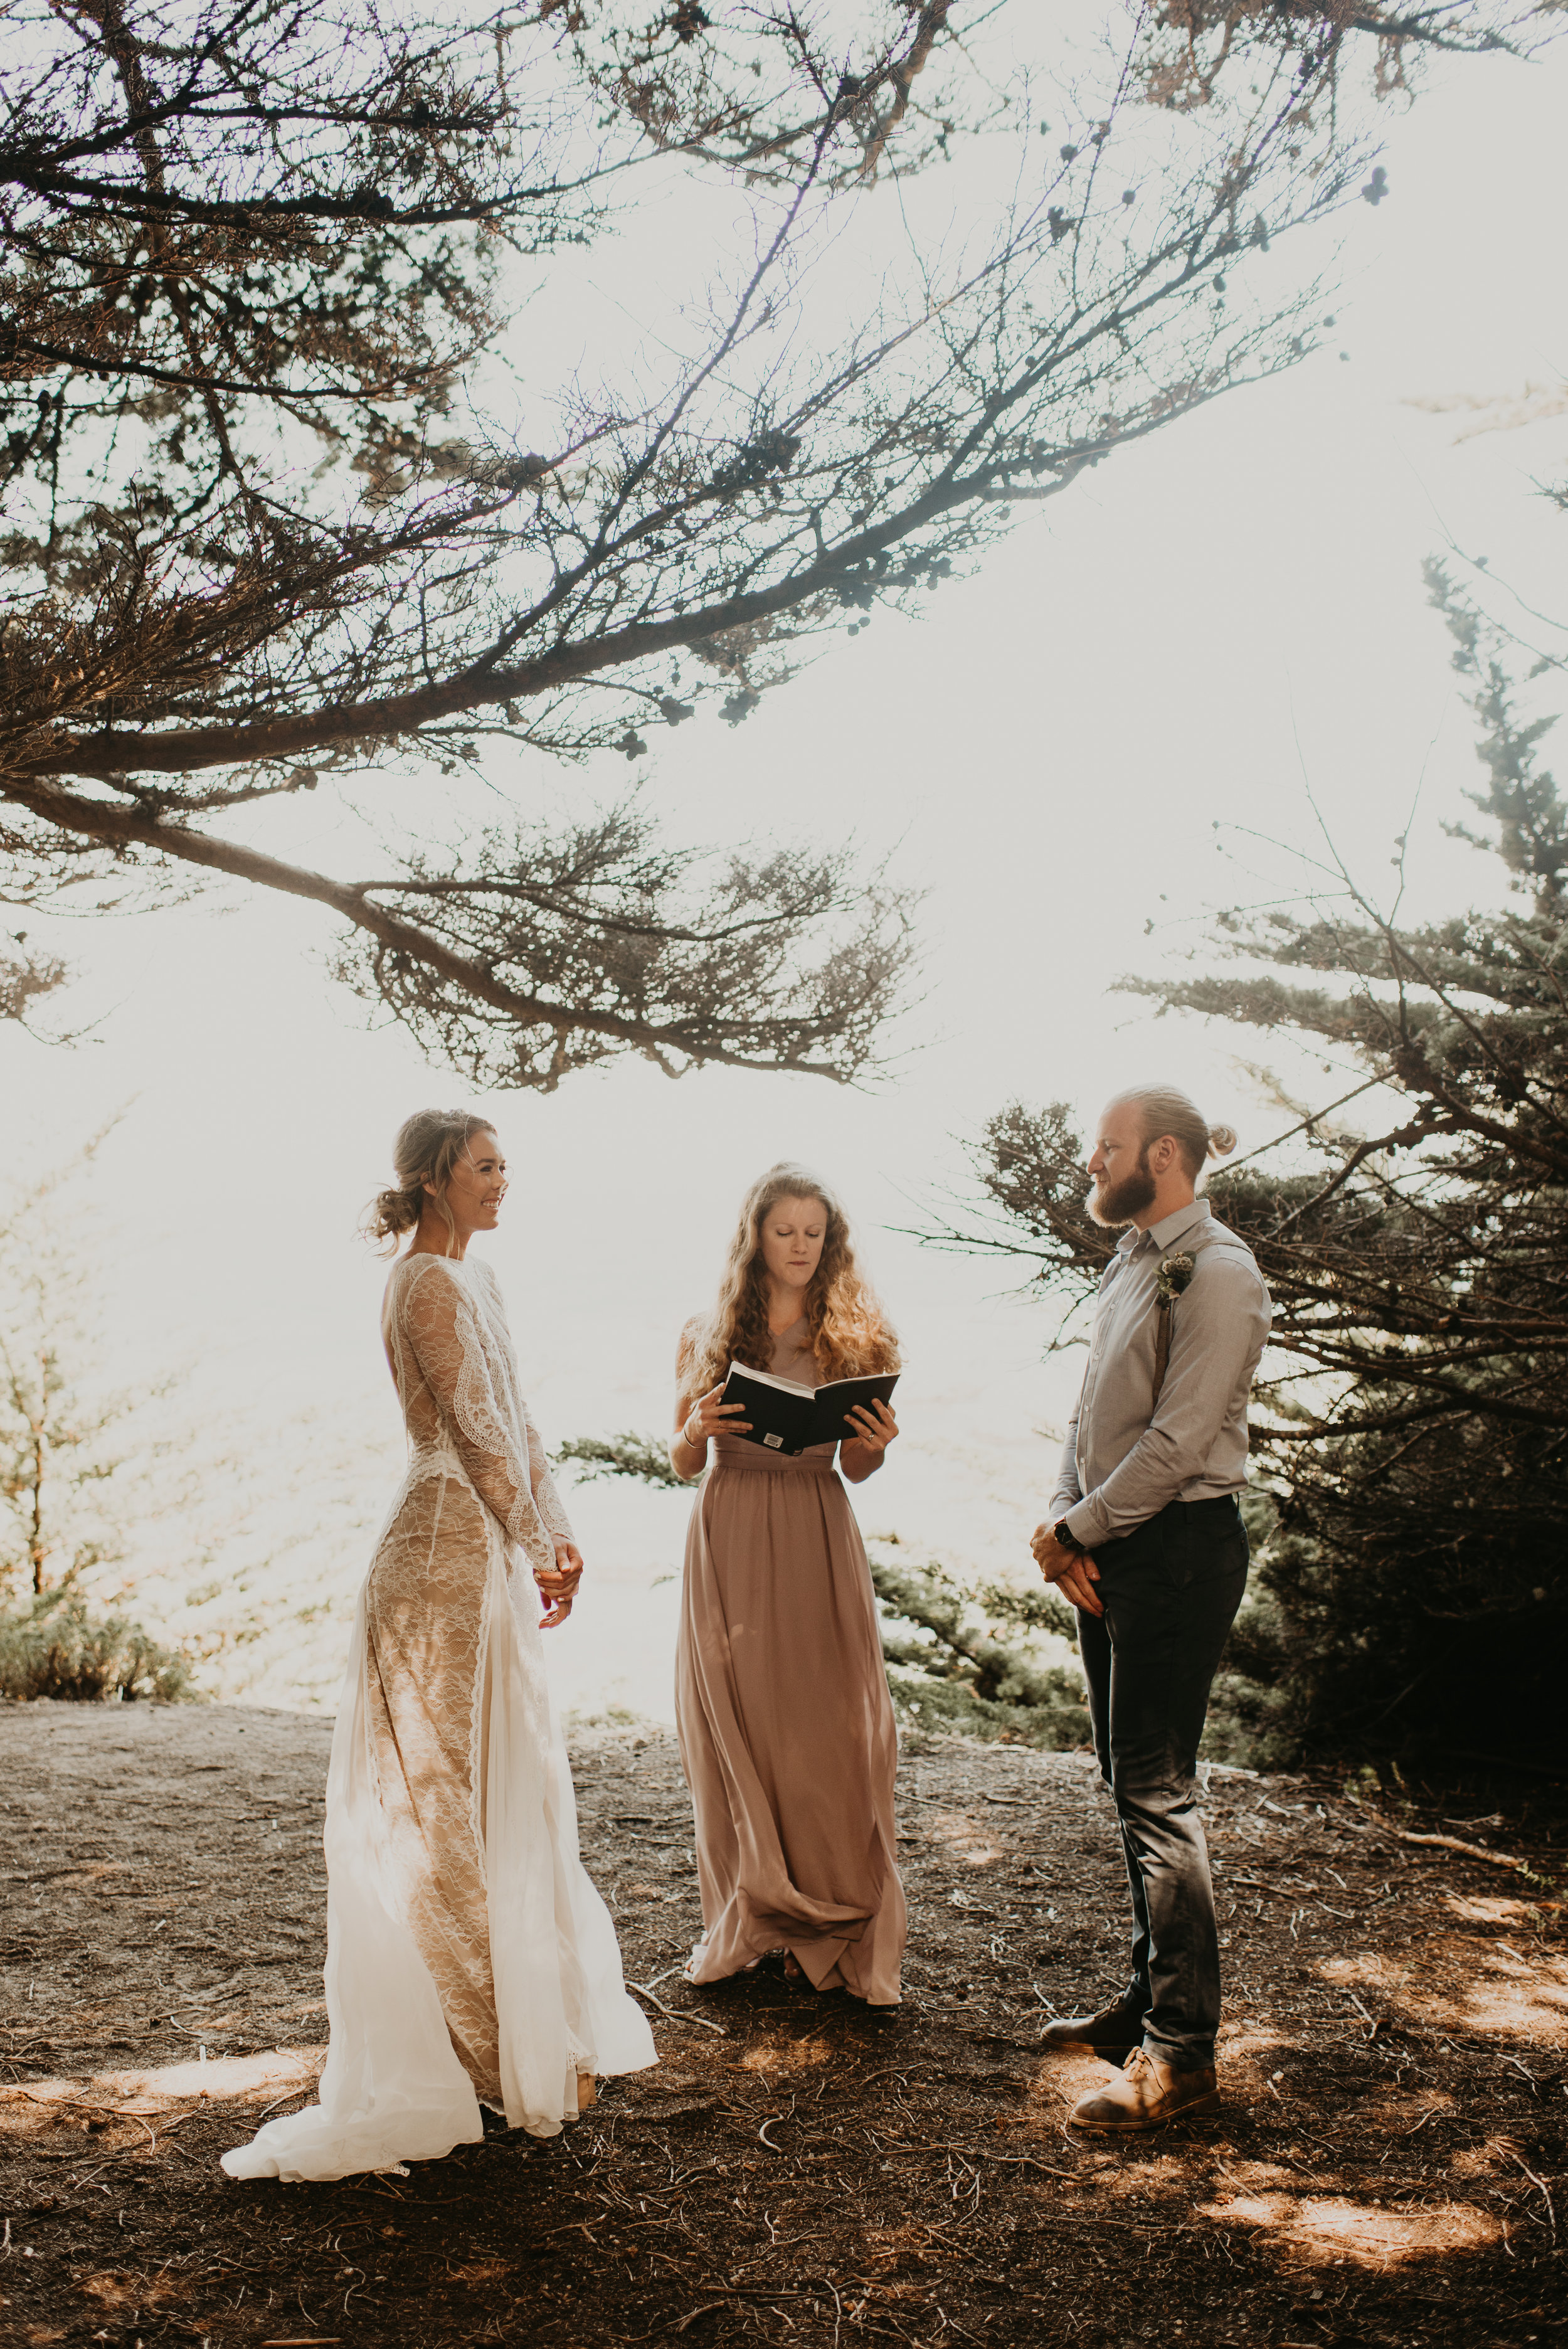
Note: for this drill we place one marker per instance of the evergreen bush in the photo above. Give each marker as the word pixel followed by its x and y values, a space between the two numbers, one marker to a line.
pixel 968 1663
pixel 55 1647
pixel 626 1454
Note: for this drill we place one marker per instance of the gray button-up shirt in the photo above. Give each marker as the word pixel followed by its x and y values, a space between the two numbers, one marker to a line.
pixel 1125 1457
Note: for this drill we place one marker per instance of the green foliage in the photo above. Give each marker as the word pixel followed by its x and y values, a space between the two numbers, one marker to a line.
pixel 55 1647
pixel 973 1670
pixel 954 1662
pixel 1415 1437
pixel 626 1454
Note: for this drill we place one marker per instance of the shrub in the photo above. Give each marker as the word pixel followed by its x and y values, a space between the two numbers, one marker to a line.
pixel 54 1647
pixel 645 1457
pixel 973 1669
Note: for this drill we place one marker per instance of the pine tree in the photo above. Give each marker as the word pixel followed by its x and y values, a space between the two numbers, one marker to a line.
pixel 1416 1440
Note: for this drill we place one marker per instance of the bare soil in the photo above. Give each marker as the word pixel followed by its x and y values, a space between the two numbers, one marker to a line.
pixel 1386 2167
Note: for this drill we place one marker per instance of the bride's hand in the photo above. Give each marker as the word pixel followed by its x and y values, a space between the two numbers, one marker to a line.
pixel 557 1587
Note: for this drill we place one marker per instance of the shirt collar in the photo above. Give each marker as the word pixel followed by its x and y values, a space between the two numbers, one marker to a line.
pixel 1170 1227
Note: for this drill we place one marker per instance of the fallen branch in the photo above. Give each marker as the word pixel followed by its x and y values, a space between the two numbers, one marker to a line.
pixel 675 2016
pixel 1256 1884
pixel 1470 1850
pixel 1024 2160
pixel 1544 2188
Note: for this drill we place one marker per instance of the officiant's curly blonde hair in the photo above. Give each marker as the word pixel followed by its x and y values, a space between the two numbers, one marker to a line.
pixel 850 1335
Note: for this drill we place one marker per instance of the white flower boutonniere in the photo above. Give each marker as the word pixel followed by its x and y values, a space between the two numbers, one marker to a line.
pixel 1174 1275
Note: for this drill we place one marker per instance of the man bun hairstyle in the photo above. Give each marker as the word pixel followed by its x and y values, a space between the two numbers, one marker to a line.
pixel 1165 1108
pixel 428 1145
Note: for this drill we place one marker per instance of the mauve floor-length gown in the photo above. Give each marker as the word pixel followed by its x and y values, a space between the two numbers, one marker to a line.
pixel 786 1726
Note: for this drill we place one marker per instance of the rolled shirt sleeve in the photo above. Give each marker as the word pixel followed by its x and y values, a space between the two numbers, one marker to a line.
pixel 1066 1491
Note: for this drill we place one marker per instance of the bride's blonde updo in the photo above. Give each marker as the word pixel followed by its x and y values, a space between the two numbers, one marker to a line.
pixel 428 1145
pixel 848 1332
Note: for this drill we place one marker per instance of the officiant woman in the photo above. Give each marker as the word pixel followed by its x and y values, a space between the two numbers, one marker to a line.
pixel 781 1701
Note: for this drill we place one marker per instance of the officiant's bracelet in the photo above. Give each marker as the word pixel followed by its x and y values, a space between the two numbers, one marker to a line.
pixel 1065 1534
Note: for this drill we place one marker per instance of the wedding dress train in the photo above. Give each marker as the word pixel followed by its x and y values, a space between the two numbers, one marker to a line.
pixel 469 1957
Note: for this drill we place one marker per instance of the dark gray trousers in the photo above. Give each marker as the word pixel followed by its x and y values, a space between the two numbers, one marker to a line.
pixel 1170 1591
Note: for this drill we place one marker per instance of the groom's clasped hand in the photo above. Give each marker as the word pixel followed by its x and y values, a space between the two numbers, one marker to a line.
pixel 1072 1570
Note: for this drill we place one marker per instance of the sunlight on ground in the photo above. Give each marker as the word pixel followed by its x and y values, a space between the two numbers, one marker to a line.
pixel 101 2107
pixel 784 2055
pixel 912 2245
pixel 1472 1909
pixel 1497 2156
pixel 1471 1985
pixel 1335 2229
pixel 115 2292
pixel 1141 2171
pixel 1064 2079
pixel 968 1840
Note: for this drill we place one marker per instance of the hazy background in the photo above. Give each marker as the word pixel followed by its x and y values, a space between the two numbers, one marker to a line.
pixel 1175 645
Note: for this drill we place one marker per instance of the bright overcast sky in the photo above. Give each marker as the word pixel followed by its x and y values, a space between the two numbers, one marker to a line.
pixel 1046 751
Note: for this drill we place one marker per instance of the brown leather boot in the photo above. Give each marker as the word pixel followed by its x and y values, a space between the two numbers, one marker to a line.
pixel 1145 2096
pixel 1113 2033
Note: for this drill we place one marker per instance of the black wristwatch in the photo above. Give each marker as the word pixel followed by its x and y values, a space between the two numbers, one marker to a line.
pixel 1065 1534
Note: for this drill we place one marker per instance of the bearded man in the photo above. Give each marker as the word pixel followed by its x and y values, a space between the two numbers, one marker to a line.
pixel 1145 1538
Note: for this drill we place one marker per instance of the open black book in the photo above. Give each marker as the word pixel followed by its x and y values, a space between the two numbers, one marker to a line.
pixel 787 1418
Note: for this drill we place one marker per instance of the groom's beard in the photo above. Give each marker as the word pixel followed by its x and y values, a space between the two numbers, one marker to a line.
pixel 1117 1202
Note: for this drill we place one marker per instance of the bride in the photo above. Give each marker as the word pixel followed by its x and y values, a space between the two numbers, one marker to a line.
pixel 469 1959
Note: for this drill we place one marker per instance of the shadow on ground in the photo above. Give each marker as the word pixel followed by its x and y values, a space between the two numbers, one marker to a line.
pixel 1386 2167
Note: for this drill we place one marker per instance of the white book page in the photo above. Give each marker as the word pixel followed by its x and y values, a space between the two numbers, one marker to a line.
pixel 767 1379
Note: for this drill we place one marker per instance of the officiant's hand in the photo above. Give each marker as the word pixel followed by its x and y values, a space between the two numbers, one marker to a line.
pixel 876 1433
pixel 1073 1571
pixel 862 1453
pixel 557 1587
pixel 711 1416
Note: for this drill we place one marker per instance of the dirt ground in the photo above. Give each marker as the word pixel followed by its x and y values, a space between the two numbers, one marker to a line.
pixel 1388 2166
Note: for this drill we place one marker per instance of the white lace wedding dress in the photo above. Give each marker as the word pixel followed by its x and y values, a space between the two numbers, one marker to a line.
pixel 469 1958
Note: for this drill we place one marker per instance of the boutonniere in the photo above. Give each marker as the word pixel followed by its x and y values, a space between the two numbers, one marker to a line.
pixel 1174 1274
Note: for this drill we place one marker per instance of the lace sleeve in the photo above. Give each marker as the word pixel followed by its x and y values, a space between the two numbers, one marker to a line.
pixel 546 1499
pixel 449 1346
pixel 541 1484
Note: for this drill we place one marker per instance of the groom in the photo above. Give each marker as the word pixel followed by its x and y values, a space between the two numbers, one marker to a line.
pixel 1145 1538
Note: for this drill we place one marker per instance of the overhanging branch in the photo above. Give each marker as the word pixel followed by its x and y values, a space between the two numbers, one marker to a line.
pixel 123 828
pixel 112 754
